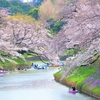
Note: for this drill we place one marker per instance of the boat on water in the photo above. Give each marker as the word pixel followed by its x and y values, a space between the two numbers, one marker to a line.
pixel 37 66
pixel 20 70
pixel 3 72
pixel 73 91
pixel 40 67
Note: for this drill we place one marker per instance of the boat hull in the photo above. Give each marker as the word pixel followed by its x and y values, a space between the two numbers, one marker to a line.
pixel 3 72
pixel 73 92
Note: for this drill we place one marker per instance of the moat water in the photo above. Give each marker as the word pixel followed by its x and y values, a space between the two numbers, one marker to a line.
pixel 35 85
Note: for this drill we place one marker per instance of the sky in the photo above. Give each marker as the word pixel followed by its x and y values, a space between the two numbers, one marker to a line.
pixel 27 0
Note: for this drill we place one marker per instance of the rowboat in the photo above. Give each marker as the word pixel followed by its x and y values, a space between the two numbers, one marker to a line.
pixel 73 91
pixel 3 72
pixel 20 70
pixel 40 67
pixel 37 66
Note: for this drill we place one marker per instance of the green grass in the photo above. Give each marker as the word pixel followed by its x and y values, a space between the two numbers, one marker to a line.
pixel 80 74
pixel 28 54
pixel 7 65
pixel 19 60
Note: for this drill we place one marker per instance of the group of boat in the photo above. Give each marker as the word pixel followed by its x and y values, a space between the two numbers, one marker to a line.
pixel 3 72
pixel 73 90
pixel 42 66
pixel 35 66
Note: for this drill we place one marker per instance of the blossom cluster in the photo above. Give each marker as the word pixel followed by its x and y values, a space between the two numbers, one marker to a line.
pixel 93 80
pixel 95 83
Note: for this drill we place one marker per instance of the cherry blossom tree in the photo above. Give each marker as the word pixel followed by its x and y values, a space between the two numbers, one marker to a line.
pixel 24 33
pixel 82 31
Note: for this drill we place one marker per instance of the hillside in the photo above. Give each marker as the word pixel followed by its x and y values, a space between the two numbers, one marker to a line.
pixel 15 6
pixel 81 32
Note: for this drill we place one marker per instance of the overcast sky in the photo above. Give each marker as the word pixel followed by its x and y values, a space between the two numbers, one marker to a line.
pixel 27 0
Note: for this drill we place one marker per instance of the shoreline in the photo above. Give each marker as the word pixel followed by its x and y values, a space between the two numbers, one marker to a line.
pixel 81 89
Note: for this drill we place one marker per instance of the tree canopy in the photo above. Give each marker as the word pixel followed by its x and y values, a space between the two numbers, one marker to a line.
pixel 34 13
pixel 15 6
pixel 80 33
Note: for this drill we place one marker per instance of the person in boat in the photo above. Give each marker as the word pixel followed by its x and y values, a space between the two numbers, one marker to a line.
pixel 32 64
pixel 42 67
pixel 36 66
pixel 18 68
pixel 73 88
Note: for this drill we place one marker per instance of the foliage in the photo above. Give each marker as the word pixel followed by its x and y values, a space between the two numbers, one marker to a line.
pixel 5 4
pixel 57 27
pixel 34 13
pixel 71 52
pixel 15 6
pixel 47 10
pixel 50 19
pixel 16 9
pixel 23 18
pixel 23 6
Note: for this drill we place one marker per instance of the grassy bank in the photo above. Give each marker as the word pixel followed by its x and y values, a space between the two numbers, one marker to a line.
pixel 86 79
pixel 12 63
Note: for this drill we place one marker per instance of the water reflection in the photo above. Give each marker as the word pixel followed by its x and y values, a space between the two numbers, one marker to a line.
pixel 35 85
